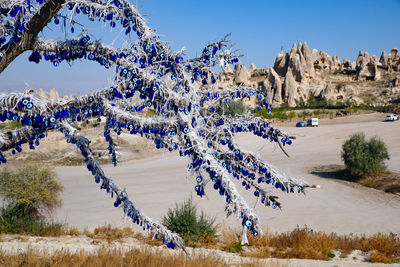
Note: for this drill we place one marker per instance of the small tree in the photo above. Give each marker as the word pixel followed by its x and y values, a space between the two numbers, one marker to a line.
pixel 30 191
pixel 184 220
pixel 362 157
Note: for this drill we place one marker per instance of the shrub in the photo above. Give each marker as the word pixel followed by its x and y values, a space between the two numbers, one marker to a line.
pixel 292 115
pixel 29 191
pixel 185 221
pixel 362 157
pixel 231 108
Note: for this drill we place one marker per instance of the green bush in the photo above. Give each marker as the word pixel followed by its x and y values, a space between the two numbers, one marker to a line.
pixel 362 157
pixel 185 221
pixel 30 192
pixel 292 115
pixel 231 108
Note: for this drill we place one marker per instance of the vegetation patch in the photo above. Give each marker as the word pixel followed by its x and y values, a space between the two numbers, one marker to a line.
pixel 364 157
pixel 30 192
pixel 190 225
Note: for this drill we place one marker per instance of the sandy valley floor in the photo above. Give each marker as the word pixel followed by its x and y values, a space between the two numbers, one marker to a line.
pixel 157 182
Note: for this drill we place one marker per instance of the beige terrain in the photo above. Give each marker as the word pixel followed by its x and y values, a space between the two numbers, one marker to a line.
pixel 157 182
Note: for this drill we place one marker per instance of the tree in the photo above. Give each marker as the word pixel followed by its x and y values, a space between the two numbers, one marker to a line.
pixel 181 91
pixel 362 157
pixel 30 191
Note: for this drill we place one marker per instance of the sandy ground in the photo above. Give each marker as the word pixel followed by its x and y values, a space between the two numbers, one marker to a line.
pixel 156 183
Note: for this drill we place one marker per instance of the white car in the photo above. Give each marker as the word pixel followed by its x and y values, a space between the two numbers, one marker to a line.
pixel 313 122
pixel 392 117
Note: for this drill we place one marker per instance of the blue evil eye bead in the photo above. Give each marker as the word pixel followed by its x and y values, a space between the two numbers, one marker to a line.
pixel 70 6
pixel 56 63
pixel 299 188
pixel 255 233
pixel 199 179
pixel 249 223
pixel 256 193
pixel 29 105
pixel 85 39
pixel 56 20
pixel 227 100
pixel 25 102
pixel 179 60
pixel 274 205
pixel 72 28
pixel 112 24
pixel 91 56
pixel 91 98
pixel 52 120
pixel 74 42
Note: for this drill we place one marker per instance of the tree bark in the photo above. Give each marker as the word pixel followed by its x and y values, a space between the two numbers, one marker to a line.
pixel 33 28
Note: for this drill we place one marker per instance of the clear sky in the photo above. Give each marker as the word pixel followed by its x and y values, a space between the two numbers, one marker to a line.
pixel 259 28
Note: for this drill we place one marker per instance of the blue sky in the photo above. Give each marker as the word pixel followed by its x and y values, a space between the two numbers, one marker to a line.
pixel 258 28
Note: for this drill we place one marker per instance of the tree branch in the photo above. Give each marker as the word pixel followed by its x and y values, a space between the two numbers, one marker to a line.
pixel 34 26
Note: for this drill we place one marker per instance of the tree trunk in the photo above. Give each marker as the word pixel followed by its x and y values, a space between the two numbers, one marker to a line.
pixel 34 26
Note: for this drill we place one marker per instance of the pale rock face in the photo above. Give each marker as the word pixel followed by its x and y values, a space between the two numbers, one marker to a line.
pixel 280 65
pixel 41 94
pixel 324 61
pixel 335 63
pixel 226 75
pixel 241 74
pixel 394 60
pixel 367 68
pixel 314 55
pixel 252 68
pixel 394 53
pixel 346 65
pixel 273 86
pixel 290 89
pixel 384 60
pixel 53 94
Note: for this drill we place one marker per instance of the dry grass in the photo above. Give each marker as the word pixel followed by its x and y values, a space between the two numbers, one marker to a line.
pixel 379 257
pixel 307 244
pixel 110 234
pixel 117 258
pixel 301 243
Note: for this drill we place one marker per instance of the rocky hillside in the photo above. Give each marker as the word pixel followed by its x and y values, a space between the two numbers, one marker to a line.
pixel 302 73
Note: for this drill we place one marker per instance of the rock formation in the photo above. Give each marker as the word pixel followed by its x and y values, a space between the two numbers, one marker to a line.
pixel 41 94
pixel 367 67
pixel 241 74
pixel 53 94
pixel 301 73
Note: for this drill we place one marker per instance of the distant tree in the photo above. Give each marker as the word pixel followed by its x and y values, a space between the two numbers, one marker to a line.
pixel 362 157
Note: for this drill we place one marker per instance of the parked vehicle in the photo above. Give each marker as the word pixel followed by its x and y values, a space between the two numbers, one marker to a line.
pixel 301 124
pixel 313 122
pixel 392 117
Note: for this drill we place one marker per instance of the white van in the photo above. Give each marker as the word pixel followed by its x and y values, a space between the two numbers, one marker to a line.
pixel 313 122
